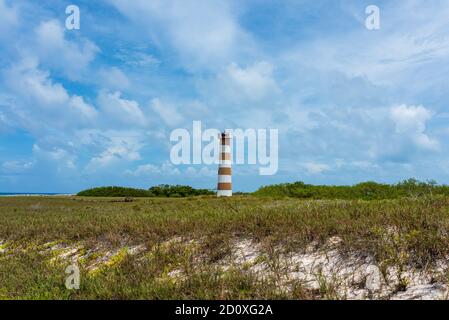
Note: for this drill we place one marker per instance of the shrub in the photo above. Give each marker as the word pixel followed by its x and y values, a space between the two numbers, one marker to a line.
pixel 367 190
pixel 114 192
pixel 165 190
pixel 156 191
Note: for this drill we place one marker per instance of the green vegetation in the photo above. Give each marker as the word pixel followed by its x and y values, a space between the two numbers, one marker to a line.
pixel 410 188
pixel 366 190
pixel 166 190
pixel 156 191
pixel 114 192
pixel 399 232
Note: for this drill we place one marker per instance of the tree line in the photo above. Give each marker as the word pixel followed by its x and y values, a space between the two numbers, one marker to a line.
pixel 369 190
pixel 164 190
pixel 366 190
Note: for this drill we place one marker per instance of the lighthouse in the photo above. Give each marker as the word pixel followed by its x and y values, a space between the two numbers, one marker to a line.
pixel 224 187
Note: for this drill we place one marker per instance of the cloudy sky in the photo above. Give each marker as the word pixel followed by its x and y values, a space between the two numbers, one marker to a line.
pixel 95 106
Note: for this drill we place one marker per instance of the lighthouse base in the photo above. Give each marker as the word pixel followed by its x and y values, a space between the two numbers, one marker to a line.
pixel 224 193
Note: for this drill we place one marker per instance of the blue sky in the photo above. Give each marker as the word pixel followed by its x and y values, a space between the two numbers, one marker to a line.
pixel 95 106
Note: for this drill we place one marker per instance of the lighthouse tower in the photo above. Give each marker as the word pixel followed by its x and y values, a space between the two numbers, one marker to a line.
pixel 224 187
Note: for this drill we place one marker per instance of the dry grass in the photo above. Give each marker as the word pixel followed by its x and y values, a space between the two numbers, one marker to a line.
pixel 394 232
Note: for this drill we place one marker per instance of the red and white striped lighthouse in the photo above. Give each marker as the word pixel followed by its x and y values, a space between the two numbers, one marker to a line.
pixel 224 187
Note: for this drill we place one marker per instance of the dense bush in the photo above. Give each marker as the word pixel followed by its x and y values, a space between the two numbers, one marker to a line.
pixel 114 192
pixel 366 190
pixel 165 190
pixel 156 191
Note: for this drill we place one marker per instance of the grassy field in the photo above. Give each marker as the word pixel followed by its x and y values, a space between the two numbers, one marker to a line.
pixel 156 248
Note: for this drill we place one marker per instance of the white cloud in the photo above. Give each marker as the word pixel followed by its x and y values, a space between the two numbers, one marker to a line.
pixel 242 92
pixel 411 121
pixel 407 46
pixel 79 106
pixel 112 148
pixel 316 168
pixel 144 170
pixel 4 122
pixel 168 112
pixel 35 99
pixel 372 137
pixel 113 78
pixel 112 155
pixel 253 83
pixel 166 168
pixel 8 19
pixel 137 59
pixel 203 171
pixel 15 167
pixel 70 57
pixel 121 110
pixel 202 32
pixel 27 80
pixel 328 91
pixel 61 158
